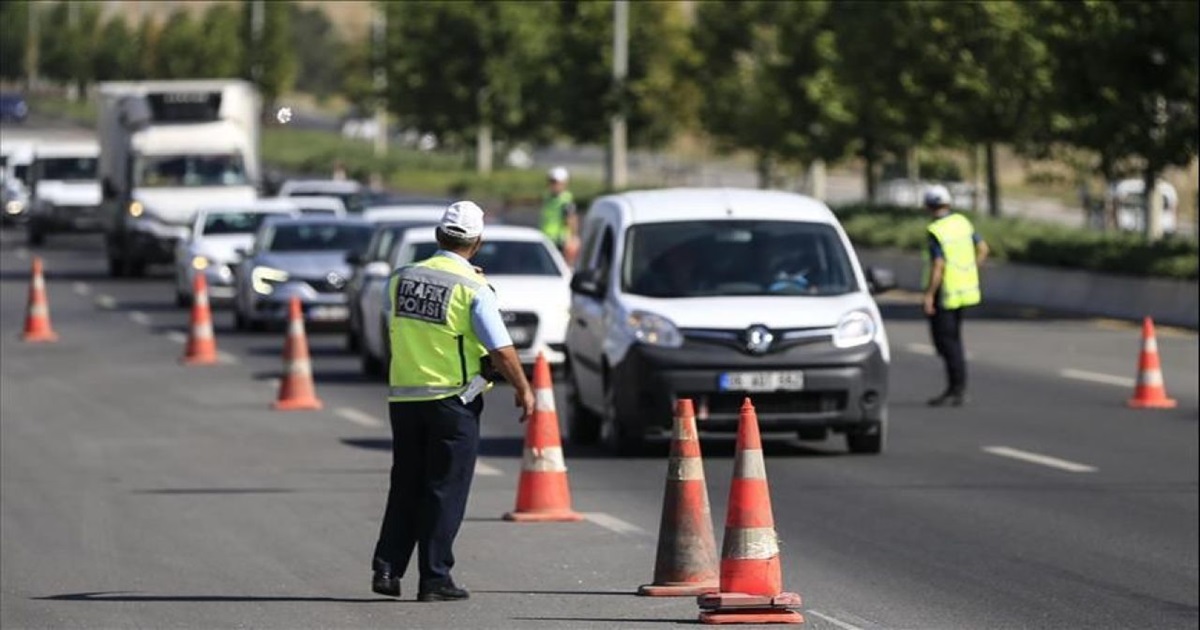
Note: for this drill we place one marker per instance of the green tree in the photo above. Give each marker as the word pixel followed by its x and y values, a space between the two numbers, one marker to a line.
pixel 178 45
pixel 116 53
pixel 14 21
pixel 67 41
pixel 318 50
pixel 145 45
pixel 270 61
pixel 221 48
pixel 464 69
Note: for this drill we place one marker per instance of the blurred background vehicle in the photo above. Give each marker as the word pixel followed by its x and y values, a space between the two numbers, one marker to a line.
pixel 1127 198
pixel 530 277
pixel 217 234
pixel 13 107
pixel 64 190
pixel 352 193
pixel 317 205
pixel 297 256
pixel 15 159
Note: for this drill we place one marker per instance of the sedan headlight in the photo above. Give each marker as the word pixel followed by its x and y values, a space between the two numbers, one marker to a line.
pixel 653 330
pixel 136 209
pixel 16 206
pixel 261 277
pixel 855 329
pixel 200 263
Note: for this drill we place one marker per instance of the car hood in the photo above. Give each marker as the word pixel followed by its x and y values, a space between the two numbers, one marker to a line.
pixel 177 206
pixel 531 292
pixel 85 193
pixel 738 312
pixel 316 264
pixel 222 248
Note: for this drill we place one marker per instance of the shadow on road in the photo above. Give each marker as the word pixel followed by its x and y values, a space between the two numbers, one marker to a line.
pixel 214 491
pixel 895 311
pixel 599 619
pixel 121 596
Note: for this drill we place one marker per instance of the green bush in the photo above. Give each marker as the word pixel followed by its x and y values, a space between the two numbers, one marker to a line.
pixel 1031 242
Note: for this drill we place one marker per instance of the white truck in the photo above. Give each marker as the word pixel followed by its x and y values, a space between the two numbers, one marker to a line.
pixel 166 148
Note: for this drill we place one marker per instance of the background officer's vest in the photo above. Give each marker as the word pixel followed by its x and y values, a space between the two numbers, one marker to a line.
pixel 435 352
pixel 960 279
pixel 553 224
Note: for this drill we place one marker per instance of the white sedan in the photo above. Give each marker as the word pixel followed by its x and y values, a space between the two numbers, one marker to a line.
pixel 530 277
pixel 217 233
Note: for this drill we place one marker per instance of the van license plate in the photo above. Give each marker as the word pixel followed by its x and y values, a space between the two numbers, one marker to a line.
pixel 761 381
pixel 328 313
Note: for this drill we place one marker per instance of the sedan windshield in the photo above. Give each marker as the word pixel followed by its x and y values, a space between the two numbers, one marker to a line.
pixel 504 258
pixel 712 258
pixel 310 237
pixel 67 169
pixel 191 170
pixel 232 222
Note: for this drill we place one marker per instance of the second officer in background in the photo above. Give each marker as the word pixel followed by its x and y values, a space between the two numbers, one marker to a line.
pixel 445 330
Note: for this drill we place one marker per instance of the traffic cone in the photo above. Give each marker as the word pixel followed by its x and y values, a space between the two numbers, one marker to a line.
pixel 1150 392
pixel 686 563
pixel 37 316
pixel 296 390
pixel 542 493
pixel 751 578
pixel 201 346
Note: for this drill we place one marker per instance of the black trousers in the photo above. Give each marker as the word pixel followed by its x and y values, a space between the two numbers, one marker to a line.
pixel 434 445
pixel 945 326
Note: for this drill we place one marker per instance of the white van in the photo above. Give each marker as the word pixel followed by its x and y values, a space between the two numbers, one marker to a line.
pixel 717 295
pixel 64 189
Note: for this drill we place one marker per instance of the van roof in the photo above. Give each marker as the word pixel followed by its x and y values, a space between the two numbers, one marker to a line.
pixel 680 204
pixel 69 148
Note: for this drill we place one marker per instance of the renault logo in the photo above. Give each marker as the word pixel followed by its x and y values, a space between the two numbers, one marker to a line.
pixel 335 280
pixel 758 339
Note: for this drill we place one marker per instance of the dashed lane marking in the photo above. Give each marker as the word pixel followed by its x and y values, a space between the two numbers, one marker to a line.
pixel 928 350
pixel 1097 377
pixel 1035 458
pixel 833 620
pixel 612 523
pixel 359 417
pixel 176 336
pixel 485 470
pixel 139 317
pixel 81 288
pixel 107 302
pixel 226 359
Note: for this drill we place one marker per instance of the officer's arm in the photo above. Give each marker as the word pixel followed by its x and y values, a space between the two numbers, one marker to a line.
pixel 981 250
pixel 489 327
pixel 937 267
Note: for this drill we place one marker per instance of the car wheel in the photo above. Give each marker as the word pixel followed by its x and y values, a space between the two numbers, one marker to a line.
pixel 352 341
pixel 135 268
pixel 870 440
pixel 239 320
pixel 615 435
pixel 182 299
pixel 371 366
pixel 583 426
pixel 35 236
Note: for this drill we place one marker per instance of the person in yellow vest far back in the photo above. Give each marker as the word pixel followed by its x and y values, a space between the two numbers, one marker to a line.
pixel 558 219
pixel 951 284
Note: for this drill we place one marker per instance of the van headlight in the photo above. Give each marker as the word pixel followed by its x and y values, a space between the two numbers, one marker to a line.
pixel 262 277
pixel 200 263
pixel 653 330
pixel 856 328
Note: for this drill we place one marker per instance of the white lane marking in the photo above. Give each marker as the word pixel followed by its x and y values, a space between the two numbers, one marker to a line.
pixel 139 317
pixel 226 358
pixel 81 288
pixel 1034 458
pixel 484 470
pixel 837 622
pixel 106 301
pixel 610 522
pixel 359 417
pixel 1097 377
pixel 273 383
pixel 176 336
pixel 921 348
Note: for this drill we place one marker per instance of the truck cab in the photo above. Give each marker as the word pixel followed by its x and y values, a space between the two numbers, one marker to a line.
pixel 168 147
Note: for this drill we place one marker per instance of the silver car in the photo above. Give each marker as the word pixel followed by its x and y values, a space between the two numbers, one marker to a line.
pixel 303 257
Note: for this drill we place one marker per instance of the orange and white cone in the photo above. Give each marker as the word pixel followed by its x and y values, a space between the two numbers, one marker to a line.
pixel 296 389
pixel 201 345
pixel 543 493
pixel 686 563
pixel 37 316
pixel 1150 392
pixel 751 577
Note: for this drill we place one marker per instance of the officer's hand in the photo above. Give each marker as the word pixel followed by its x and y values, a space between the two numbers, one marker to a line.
pixel 525 402
pixel 928 305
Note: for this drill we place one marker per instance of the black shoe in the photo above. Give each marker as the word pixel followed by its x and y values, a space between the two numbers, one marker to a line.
pixel 444 593
pixel 949 398
pixel 384 581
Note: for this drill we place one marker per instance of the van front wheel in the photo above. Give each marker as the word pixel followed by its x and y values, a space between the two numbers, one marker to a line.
pixel 619 438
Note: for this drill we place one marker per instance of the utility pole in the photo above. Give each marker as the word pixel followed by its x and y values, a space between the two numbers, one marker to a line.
pixel 31 47
pixel 617 174
pixel 257 18
pixel 379 59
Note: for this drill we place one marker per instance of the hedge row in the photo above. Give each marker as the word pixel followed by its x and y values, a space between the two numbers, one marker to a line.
pixel 1031 242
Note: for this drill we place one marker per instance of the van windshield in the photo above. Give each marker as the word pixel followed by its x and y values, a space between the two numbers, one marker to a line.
pixel 67 169
pixel 175 171
pixel 716 258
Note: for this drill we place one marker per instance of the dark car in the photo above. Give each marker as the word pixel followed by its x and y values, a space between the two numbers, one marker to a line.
pixel 13 108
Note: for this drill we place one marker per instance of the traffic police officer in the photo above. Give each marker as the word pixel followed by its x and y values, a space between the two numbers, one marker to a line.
pixel 445 331
pixel 951 282
pixel 558 219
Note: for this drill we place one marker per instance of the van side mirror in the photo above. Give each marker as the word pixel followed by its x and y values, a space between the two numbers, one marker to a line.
pixel 880 280
pixel 353 258
pixel 588 282
pixel 107 189
pixel 242 252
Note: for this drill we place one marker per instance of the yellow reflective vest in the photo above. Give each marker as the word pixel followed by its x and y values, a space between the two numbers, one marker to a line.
pixel 435 352
pixel 960 278
pixel 554 223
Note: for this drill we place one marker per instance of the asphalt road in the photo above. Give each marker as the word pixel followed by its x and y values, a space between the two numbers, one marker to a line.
pixel 135 492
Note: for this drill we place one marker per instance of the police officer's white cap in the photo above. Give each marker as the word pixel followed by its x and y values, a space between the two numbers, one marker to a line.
pixel 937 196
pixel 463 219
pixel 558 174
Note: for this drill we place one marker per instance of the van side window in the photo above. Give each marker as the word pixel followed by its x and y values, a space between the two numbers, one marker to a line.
pixel 587 253
pixel 605 257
